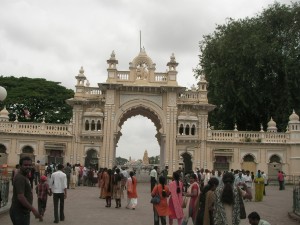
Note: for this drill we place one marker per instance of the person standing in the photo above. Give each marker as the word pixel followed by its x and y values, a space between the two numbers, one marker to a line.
pixel 259 187
pixel 161 210
pixel 265 181
pixel 153 177
pixel 42 191
pixel 227 205
pixel 248 181
pixel 175 200
pixel 68 171
pixel 117 189
pixel 206 203
pixel 191 195
pixel 58 186
pixel 131 191
pixel 37 172
pixel 280 180
pixel 22 195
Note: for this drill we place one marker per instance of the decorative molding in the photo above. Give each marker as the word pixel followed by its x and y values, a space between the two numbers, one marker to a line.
pixel 157 99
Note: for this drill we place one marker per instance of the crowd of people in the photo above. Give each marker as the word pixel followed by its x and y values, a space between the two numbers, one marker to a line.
pixel 206 197
pixel 201 196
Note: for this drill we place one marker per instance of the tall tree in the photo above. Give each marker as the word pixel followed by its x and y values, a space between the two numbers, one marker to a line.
pixel 253 68
pixel 35 99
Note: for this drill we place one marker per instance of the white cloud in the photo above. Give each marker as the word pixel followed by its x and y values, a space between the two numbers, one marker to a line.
pixel 54 38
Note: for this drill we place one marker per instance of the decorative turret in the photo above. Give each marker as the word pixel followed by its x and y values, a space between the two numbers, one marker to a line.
pixel 294 123
pixel 80 83
pixel 172 73
pixel 203 89
pixel 4 115
pixel 272 126
pixel 112 68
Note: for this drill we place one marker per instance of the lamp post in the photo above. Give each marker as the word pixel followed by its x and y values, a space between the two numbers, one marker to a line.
pixel 3 93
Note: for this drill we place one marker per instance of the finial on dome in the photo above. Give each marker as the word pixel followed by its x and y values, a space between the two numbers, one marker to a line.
pixel 261 128
pixel 81 71
pixel 235 127
pixel 113 55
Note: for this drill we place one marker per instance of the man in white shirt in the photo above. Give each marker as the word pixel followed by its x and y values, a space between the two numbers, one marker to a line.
pixel 240 180
pixel 58 186
pixel 254 219
pixel 265 181
pixel 153 177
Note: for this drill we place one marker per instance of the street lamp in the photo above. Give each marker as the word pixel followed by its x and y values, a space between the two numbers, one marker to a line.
pixel 3 93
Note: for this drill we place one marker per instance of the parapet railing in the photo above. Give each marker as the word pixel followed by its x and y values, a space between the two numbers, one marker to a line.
pixel 4 191
pixel 36 128
pixel 247 136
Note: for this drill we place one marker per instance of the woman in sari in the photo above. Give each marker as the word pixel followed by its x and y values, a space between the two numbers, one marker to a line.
pixel 206 203
pixel 161 210
pixel 117 189
pixel 107 186
pixel 175 200
pixel 259 187
pixel 191 197
pixel 227 204
pixel 131 191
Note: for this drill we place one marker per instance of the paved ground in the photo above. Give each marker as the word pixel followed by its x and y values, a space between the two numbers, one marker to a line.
pixel 84 207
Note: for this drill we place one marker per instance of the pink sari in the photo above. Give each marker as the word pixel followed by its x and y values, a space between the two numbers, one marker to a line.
pixel 175 201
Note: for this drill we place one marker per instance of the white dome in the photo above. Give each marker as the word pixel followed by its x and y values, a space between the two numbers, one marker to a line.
pixel 272 125
pixel 294 117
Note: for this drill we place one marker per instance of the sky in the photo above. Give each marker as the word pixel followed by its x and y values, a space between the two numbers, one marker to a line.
pixel 52 39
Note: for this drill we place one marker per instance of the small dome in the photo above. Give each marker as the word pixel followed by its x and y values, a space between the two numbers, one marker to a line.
pixel 272 125
pixel 4 112
pixel 294 117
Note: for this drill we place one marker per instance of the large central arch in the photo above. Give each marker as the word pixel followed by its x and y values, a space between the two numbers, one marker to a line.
pixel 147 109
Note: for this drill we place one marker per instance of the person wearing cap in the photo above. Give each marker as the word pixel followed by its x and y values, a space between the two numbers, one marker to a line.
pixel 58 186
pixel 42 191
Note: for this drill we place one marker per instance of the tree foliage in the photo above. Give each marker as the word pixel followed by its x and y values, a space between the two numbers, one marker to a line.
pixel 35 99
pixel 121 161
pixel 253 68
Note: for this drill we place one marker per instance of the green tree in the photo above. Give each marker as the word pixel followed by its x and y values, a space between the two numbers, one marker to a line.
pixel 121 161
pixel 33 99
pixel 253 68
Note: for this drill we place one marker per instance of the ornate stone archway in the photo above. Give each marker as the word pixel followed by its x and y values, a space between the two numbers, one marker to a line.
pixel 179 115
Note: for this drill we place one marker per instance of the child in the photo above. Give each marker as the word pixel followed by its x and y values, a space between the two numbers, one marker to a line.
pixel 42 190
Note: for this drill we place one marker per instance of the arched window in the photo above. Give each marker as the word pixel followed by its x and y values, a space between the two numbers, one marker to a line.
pixel 275 158
pixel 27 149
pixel 2 149
pixel 193 130
pixel 181 129
pixel 93 126
pixel 248 158
pixel 87 125
pixel 98 125
pixel 187 130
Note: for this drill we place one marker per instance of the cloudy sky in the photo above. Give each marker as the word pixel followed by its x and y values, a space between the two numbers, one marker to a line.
pixel 54 38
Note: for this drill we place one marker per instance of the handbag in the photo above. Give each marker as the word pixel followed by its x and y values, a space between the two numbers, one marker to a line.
pixel 184 202
pixel 243 214
pixel 155 199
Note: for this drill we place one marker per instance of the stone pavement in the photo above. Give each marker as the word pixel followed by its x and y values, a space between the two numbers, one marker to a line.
pixel 84 207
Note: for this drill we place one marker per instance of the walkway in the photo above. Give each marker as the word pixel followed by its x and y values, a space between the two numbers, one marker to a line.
pixel 84 207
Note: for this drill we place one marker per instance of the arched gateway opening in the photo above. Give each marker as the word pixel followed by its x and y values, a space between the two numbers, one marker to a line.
pixel 138 136
pixel 139 111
